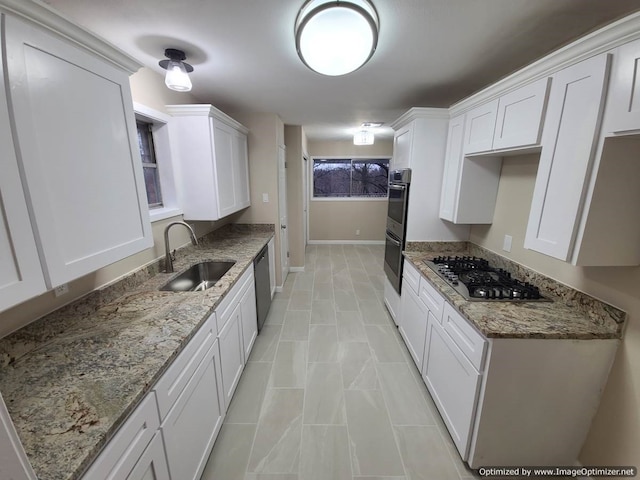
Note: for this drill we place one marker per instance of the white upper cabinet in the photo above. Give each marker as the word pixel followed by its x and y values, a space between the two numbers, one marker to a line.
pixel 511 122
pixel 568 144
pixel 469 185
pixel 75 141
pixel 213 162
pixel 402 141
pixel 21 275
pixel 520 113
pixel 623 104
pixel 481 123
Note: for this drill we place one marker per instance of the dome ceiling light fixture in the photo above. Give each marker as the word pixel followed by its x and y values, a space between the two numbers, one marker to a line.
pixel 336 37
pixel 177 77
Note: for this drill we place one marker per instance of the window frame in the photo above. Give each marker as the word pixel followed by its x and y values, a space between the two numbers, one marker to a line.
pixel 160 132
pixel 313 198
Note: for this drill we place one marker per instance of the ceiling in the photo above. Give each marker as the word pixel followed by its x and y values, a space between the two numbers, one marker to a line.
pixel 431 53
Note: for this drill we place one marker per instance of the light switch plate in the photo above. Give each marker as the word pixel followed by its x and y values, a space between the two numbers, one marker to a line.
pixel 265 198
pixel 506 246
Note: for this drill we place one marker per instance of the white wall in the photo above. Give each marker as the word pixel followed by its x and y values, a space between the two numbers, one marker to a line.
pixel 614 438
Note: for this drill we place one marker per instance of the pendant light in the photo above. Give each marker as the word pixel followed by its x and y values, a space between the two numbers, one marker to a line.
pixel 336 37
pixel 177 77
pixel 363 137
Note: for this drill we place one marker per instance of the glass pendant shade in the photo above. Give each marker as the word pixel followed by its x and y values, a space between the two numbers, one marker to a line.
pixel 177 77
pixel 363 137
pixel 336 37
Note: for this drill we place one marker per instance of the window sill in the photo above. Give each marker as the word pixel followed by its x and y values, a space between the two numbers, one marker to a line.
pixel 157 214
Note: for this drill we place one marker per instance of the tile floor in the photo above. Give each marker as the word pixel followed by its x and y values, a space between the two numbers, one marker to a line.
pixel 330 391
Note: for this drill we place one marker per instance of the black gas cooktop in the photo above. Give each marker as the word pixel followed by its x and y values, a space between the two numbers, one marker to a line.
pixel 476 280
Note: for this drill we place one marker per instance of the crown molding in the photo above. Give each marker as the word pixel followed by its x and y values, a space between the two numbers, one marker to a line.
pixel 603 40
pixel 204 110
pixel 43 15
pixel 416 113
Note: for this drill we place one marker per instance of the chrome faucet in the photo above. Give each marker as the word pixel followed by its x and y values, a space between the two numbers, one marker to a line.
pixel 168 259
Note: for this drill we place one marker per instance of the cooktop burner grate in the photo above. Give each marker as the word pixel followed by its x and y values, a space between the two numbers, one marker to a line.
pixel 476 280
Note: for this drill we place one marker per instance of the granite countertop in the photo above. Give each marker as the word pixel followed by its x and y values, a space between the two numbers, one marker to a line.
pixel 571 314
pixel 70 379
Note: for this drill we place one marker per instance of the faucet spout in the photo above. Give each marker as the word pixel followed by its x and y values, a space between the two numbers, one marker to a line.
pixel 168 260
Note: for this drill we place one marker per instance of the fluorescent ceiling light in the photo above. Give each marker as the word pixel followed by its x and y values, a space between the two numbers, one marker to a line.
pixel 336 37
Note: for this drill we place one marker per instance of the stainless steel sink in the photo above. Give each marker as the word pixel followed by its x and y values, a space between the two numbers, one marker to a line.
pixel 198 277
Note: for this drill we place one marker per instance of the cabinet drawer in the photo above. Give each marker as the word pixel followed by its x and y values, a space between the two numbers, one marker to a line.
pixel 122 453
pixel 411 276
pixel 431 298
pixel 176 378
pixel 467 338
pixel 232 297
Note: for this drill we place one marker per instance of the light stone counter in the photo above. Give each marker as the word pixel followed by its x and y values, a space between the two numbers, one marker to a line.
pixel 571 315
pixel 70 379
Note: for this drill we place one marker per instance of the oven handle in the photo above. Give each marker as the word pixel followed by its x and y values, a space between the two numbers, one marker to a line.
pixel 394 186
pixel 393 240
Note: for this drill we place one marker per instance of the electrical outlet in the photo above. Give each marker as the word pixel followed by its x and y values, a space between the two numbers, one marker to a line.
pixel 506 246
pixel 265 198
pixel 61 289
pixel 357 232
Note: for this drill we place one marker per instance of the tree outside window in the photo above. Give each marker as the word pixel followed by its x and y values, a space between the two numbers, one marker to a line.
pixel 360 178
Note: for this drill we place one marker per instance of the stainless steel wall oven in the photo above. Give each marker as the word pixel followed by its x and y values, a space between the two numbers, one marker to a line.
pixel 399 181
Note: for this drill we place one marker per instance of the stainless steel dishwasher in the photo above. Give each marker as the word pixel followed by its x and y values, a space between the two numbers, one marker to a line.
pixel 263 287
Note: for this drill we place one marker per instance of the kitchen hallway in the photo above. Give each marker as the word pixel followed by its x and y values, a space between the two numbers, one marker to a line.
pixel 330 391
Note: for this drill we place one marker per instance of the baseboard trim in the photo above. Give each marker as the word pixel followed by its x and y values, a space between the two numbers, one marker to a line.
pixel 345 242
pixel 296 269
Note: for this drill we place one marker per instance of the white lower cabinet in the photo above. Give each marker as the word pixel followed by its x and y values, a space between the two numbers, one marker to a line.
pixel 231 351
pixel 453 383
pixel 249 316
pixel 123 454
pixel 153 463
pixel 191 427
pixel 413 324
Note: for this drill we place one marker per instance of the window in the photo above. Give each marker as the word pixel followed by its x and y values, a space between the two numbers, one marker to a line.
pixel 157 165
pixel 350 177
pixel 149 164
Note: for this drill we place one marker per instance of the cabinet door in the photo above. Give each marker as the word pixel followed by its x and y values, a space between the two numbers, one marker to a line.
pixel 124 451
pixel 453 384
pixel 402 142
pixel 481 123
pixel 193 423
pixel 21 275
pixel 76 135
pixel 249 317
pixel 452 164
pixel 568 144
pixel 519 122
pixel 241 165
pixel 624 97
pixel 413 324
pixel 223 136
pixel 153 463
pixel 231 352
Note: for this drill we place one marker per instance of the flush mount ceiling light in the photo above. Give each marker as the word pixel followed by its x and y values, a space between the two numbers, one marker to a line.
pixel 336 37
pixel 177 77
pixel 363 137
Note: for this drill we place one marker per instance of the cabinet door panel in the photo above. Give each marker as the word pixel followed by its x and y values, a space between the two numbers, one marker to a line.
pixel 453 383
pixel 481 123
pixel 249 317
pixel 519 122
pixel 153 463
pixel 413 325
pixel 402 148
pixel 452 166
pixel 191 427
pixel 231 354
pixel 73 116
pixel 568 143
pixel 21 275
pixel 225 181
pixel 624 97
